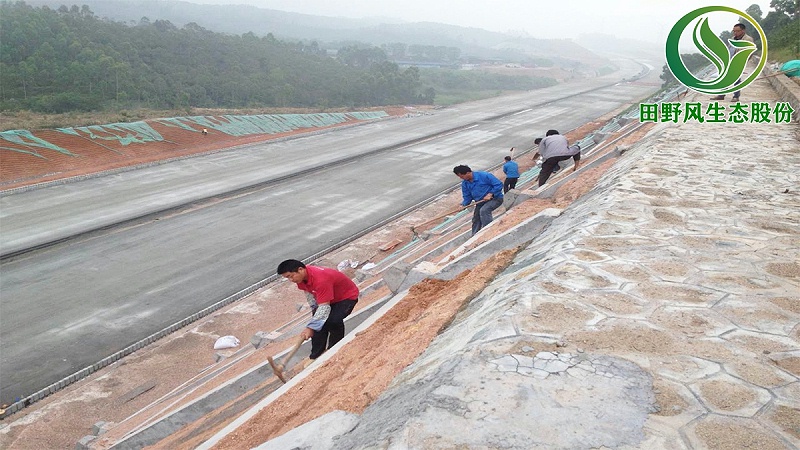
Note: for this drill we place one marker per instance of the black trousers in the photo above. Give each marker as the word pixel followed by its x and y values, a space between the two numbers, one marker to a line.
pixel 333 329
pixel 550 163
pixel 509 184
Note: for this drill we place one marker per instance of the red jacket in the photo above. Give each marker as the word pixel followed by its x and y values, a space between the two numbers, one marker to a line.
pixel 328 285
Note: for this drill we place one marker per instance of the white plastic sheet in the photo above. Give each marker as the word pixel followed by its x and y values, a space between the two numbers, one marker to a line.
pixel 347 263
pixel 226 342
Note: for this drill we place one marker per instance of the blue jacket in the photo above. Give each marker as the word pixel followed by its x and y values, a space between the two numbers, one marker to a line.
pixel 482 183
pixel 511 169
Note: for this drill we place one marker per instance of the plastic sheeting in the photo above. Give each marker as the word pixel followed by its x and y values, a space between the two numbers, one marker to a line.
pixel 26 139
pixel 791 68
pixel 141 132
pixel 124 133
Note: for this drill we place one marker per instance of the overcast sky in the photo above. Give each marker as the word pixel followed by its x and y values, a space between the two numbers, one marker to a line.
pixel 643 19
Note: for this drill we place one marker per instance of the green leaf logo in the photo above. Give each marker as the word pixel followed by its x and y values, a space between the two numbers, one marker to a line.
pixel 730 61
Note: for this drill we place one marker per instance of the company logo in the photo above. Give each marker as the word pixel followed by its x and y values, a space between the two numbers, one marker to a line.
pixel 729 58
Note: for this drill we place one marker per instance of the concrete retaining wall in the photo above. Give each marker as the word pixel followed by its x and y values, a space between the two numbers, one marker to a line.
pixel 788 90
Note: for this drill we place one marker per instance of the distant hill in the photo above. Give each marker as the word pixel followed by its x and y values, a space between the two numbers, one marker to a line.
pixel 477 42
pixel 240 19
pixel 234 19
pixel 605 44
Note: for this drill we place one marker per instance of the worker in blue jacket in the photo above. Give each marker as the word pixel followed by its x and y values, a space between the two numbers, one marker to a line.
pixel 485 189
pixel 511 169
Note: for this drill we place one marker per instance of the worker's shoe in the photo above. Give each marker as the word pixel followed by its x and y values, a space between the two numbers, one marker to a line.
pixel 719 97
pixel 735 100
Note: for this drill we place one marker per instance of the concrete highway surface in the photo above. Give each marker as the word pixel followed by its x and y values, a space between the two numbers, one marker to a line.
pixel 93 266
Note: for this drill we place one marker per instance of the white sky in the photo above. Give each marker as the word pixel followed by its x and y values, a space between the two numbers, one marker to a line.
pixel 646 20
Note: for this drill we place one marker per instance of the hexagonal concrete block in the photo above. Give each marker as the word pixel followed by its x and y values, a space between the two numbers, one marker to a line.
pixel 615 303
pixel 584 276
pixel 789 394
pixel 85 442
pixel 767 344
pixel 686 369
pixel 679 294
pixel 101 427
pixel 742 283
pixel 753 313
pixel 760 372
pixel 729 396
pixel 783 418
pixel 677 404
pixel 715 431
pixel 692 322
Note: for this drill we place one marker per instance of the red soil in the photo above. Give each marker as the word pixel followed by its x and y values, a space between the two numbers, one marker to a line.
pixel 96 155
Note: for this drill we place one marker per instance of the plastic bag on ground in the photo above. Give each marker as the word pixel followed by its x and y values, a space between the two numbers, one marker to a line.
pixel 226 342
pixel 345 264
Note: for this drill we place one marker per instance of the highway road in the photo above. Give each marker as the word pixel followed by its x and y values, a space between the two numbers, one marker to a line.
pixel 131 257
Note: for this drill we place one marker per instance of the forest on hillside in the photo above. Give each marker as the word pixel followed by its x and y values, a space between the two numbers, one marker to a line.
pixel 68 59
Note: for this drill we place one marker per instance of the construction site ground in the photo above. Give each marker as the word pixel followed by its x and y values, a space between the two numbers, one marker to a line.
pixel 679 257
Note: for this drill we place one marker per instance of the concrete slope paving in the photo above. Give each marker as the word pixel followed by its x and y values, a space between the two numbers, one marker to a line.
pixel 658 311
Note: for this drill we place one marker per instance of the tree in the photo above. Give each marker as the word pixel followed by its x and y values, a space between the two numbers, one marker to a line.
pixel 428 96
pixel 789 7
pixel 395 50
pixel 58 60
pixel 754 11
pixel 774 21
pixel 788 37
pixel 355 56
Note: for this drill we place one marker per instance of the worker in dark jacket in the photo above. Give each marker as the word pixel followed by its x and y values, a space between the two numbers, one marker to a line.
pixel 553 149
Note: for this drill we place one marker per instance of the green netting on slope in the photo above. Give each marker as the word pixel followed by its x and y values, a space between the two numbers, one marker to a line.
pixel 243 125
pixel 234 125
pixel 586 142
pixel 326 119
pixel 175 122
pixel 280 123
pixel 196 123
pixel 610 127
pixel 529 175
pixel 124 133
pixel 25 138
pixel 19 150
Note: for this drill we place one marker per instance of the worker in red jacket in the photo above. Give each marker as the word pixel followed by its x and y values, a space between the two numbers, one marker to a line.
pixel 334 296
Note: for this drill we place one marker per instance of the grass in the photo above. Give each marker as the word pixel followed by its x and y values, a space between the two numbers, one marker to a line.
pixel 27 120
pixel 782 55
